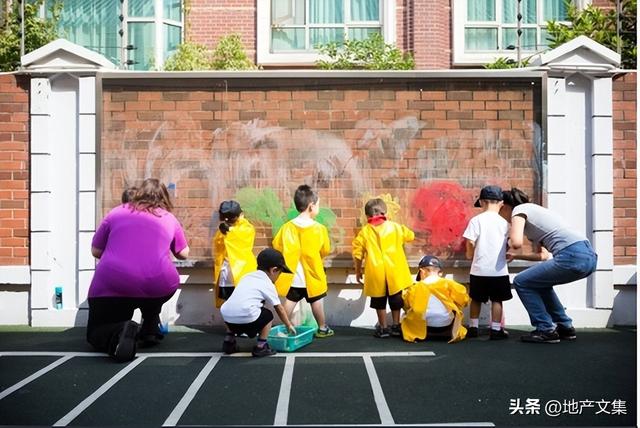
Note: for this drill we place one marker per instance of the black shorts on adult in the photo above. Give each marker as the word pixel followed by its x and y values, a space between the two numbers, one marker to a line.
pixel 494 288
pixel 395 301
pixel 252 329
pixel 296 294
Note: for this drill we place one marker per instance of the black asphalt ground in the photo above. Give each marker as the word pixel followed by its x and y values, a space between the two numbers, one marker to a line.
pixel 349 379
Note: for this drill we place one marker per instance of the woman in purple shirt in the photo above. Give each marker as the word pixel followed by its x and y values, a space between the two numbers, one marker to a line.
pixel 134 243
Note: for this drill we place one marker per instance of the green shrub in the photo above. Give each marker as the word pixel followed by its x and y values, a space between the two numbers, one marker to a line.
pixel 600 26
pixel 369 54
pixel 38 32
pixel 229 54
pixel 189 56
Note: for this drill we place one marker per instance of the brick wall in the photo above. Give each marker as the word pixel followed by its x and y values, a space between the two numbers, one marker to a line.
pixel 431 33
pixel 625 169
pixel 209 20
pixel 14 170
pixel 426 146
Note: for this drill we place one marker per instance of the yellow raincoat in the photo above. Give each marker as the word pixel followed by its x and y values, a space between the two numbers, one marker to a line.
pixel 306 245
pixel 382 249
pixel 453 296
pixel 237 247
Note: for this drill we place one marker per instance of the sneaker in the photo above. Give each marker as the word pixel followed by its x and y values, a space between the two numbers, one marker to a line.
pixel 230 347
pixel 566 333
pixel 498 334
pixel 324 332
pixel 265 351
pixel 381 333
pixel 538 336
pixel 126 346
pixel 396 331
pixel 472 332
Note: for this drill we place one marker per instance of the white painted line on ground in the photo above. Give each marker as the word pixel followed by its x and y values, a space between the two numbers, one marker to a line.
pixel 282 409
pixel 378 394
pixel 34 376
pixel 195 386
pixel 219 354
pixel 66 419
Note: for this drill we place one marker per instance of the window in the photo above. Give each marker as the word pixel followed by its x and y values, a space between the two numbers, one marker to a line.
pixel 289 31
pixel 486 29
pixel 151 28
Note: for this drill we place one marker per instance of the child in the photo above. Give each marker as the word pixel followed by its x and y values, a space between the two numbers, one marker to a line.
pixel 233 249
pixel 386 271
pixel 128 194
pixel 244 311
pixel 486 236
pixel 433 305
pixel 304 243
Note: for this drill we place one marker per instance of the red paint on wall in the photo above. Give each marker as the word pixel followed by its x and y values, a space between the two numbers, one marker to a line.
pixel 442 210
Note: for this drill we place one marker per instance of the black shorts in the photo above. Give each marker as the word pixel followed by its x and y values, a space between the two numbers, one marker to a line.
pixel 253 328
pixel 494 288
pixel 296 294
pixel 225 292
pixel 395 301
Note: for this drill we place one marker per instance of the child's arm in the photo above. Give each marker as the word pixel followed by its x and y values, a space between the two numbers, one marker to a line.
pixel 407 234
pixel 470 248
pixel 285 319
pixel 277 240
pixel 358 250
pixel 326 243
pixel 357 264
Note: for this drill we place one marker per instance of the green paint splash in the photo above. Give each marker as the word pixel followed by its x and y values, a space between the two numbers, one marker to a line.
pixel 262 205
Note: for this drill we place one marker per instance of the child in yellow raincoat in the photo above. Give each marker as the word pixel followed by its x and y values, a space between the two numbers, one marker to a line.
pixel 232 249
pixel 433 305
pixel 304 243
pixel 380 244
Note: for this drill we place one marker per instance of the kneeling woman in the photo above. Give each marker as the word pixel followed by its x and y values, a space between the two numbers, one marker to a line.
pixel 134 243
pixel 433 305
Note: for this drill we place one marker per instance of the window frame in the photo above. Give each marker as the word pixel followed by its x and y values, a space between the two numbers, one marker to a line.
pixel 265 57
pixel 460 23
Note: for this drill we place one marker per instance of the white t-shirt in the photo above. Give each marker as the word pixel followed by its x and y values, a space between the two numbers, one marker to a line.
pixel 246 302
pixel 226 277
pixel 437 314
pixel 489 231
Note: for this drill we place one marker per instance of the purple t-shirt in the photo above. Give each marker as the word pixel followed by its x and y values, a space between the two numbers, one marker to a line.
pixel 136 259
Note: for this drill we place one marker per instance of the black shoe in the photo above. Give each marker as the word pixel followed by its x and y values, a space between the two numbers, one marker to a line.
pixel 498 334
pixel 538 336
pixel 230 347
pixel 381 333
pixel 396 331
pixel 566 333
pixel 126 347
pixel 265 351
pixel 472 332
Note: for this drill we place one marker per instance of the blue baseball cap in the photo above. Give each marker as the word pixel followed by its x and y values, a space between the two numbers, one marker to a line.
pixel 492 193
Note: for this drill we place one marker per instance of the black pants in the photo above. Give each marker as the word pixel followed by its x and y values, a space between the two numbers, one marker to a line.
pixel 107 316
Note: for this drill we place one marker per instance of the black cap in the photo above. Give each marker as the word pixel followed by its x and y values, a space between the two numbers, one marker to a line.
pixel 429 261
pixel 229 210
pixel 269 258
pixel 493 193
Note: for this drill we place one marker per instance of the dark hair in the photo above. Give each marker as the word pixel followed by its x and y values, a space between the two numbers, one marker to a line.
pixel 374 207
pixel 229 211
pixel 304 197
pixel 128 194
pixel 152 195
pixel 514 197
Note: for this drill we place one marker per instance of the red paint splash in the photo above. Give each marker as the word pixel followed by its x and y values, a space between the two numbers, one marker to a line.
pixel 442 210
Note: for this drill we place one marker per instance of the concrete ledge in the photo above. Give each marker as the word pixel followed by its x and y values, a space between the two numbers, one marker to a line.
pixel 15 275
pixel 625 275
pixel 59 317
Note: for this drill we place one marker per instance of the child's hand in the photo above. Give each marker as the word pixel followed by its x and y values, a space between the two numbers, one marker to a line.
pixel 359 278
pixel 224 228
pixel 292 330
pixel 510 257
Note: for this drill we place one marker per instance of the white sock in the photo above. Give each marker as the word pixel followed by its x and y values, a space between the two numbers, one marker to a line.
pixel 474 322
pixel 496 325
